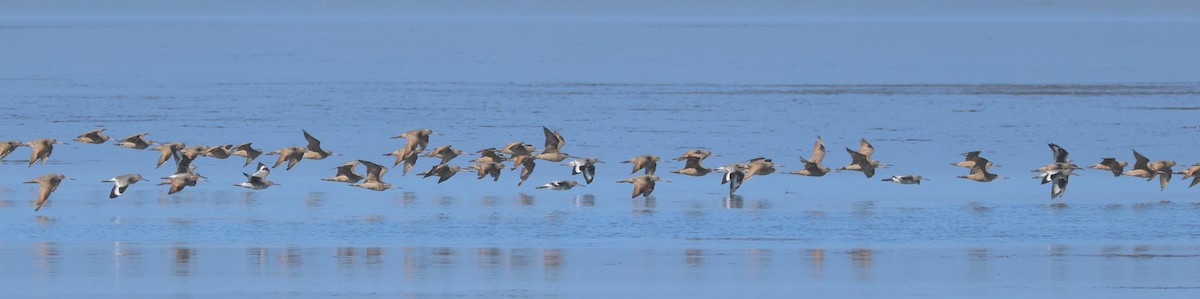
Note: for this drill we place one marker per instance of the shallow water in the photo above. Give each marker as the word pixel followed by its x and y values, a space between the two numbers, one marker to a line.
pixel 762 80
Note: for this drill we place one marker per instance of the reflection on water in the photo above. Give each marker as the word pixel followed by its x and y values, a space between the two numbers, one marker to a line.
pixel 464 271
pixel 525 199
pixel 733 202
pixel 313 200
pixel 586 200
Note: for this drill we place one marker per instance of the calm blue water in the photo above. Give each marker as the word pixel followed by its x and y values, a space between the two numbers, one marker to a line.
pixel 741 79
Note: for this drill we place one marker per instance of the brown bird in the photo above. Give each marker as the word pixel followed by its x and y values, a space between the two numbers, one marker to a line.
pixel 488 155
pixel 761 166
pixel 135 141
pixel 418 138
pixel 1111 164
pixel 194 151
pixel 7 147
pixel 313 150
pixel 445 152
pixel 865 148
pixel 969 160
pixel 700 154
pixel 693 167
pixel 642 185
pixel 818 152
pixel 527 164
pixel 42 148
pixel 291 154
pixel 180 180
pixel 374 179
pixel 93 137
pixel 246 150
pixel 488 168
pixel 980 173
pixel 647 162
pixel 811 168
pixel 553 150
pixel 444 172
pixel 169 150
pixel 1142 167
pixel 861 162
pixel 220 152
pixel 518 149
pixel 345 173
pixel 46 185
pixel 1192 173
pixel 408 158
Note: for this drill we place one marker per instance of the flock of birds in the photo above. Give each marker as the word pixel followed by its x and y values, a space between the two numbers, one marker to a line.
pixel 492 160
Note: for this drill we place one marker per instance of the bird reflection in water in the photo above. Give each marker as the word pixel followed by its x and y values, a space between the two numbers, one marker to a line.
pixel 526 199
pixel 586 200
pixel 408 199
pixel 47 257
pixel 734 201
pixel 644 205
pixel 552 260
pixel 862 262
pixel 816 257
pixel 978 257
pixel 313 200
pixel 182 265
pixel 488 201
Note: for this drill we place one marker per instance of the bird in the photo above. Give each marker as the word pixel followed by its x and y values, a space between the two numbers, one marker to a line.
pixel 291 154
pixel 906 179
pixel 553 149
pixel 861 162
pixel 488 168
pixel 759 166
pixel 93 137
pixel 122 182
pixel 527 164
pixel 194 151
pixel 979 172
pixel 1142 167
pixel 345 173
pixel 248 151
pixel 1059 179
pixel 418 138
pixel 865 148
pixel 442 171
pixel 374 179
pixel 647 162
pixel 168 150
pixel 701 154
pixel 1192 173
pixel 518 149
pixel 818 152
pixel 179 181
pixel 220 152
pixel 445 152
pixel 1056 166
pixel 560 185
pixel 643 185
pixel 46 185
pixel 586 166
pixel 408 158
pixel 693 167
pixel 313 151
pixel 811 168
pixel 488 155
pixel 1060 154
pixel 1111 164
pixel 735 174
pixel 968 160
pixel 135 141
pixel 42 148
pixel 7 147
pixel 258 180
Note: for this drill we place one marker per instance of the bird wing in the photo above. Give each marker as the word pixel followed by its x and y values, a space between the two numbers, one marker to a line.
pixel 818 154
pixel 1140 161
pixel 313 143
pixel 262 171
pixel 1060 154
pixel 865 148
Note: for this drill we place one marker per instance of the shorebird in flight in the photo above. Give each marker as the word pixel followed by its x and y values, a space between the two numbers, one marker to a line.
pixel 122 182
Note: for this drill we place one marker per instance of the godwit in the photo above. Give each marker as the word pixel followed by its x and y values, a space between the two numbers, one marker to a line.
pixel 527 164
pixel 93 137
pixel 488 168
pixel 135 141
pixel 220 152
pixel 553 150
pixel 445 152
pixel 246 150
pixel 647 162
pixel 861 162
pixel 979 172
pixel 7 147
pixel 46 185
pixel 313 150
pixel 169 150
pixel 1111 164
pixel 642 185
pixel 374 179
pixel 291 154
pixel 42 148
pixel 345 173
pixel 443 172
